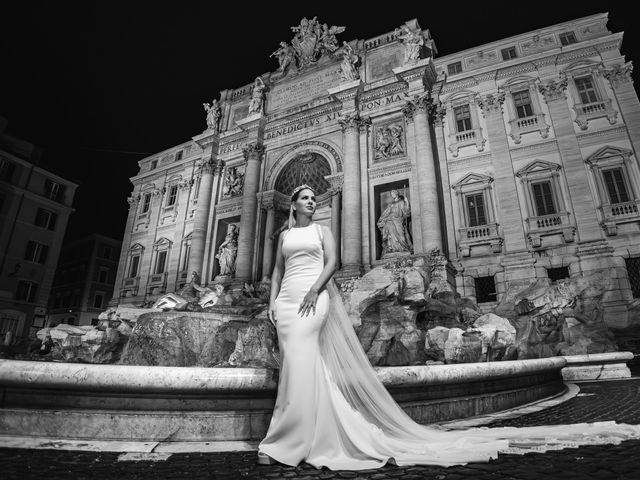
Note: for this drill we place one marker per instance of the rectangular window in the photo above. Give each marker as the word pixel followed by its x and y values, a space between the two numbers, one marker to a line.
pixel 154 165
pixel 567 38
pixel 97 300
pixel 26 291
pixel 633 273
pixel 616 188
pixel 485 289
pixel 586 89
pixel 6 170
pixel 522 101
pixel 475 209
pixel 543 196
pixel 454 68
pixel 106 253
pixel 45 219
pixel 146 202
pixel 103 275
pixel 53 190
pixel 161 261
pixel 558 273
pixel 36 252
pixel 463 118
pixel 173 194
pixel 187 253
pixel 133 267
pixel 178 155
pixel 509 53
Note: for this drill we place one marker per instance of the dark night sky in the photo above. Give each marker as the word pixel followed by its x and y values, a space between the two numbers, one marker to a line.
pixel 100 85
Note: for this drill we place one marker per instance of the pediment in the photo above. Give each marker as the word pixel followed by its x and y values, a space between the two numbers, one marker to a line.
pixel 136 247
pixel 163 242
pixel 538 166
pixel 607 152
pixel 473 179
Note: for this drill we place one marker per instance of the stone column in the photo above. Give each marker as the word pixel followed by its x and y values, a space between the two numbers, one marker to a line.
pixel 352 200
pixel 336 215
pixel 581 200
pixel 505 187
pixel 267 204
pixel 427 175
pixel 200 221
pixel 246 237
pixel 619 77
pixel 209 141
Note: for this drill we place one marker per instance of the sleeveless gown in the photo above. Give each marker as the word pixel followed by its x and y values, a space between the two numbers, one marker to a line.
pixel 327 418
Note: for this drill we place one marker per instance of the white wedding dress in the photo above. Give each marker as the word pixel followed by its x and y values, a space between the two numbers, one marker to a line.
pixel 332 411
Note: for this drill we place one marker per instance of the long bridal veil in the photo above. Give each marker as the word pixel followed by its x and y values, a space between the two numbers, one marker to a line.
pixel 408 442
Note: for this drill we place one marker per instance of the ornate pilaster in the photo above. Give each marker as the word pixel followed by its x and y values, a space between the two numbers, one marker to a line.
pixel 553 90
pixel 253 155
pixel 581 200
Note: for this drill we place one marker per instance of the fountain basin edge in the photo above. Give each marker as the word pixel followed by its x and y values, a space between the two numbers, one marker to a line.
pixel 142 403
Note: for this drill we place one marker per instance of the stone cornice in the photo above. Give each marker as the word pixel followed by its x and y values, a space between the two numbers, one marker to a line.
pixel 459 85
pixel 384 91
pixel 515 70
pixel 585 137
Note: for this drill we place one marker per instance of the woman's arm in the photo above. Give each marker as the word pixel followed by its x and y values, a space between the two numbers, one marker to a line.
pixel 308 304
pixel 276 280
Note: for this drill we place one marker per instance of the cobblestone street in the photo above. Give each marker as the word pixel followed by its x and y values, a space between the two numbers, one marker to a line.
pixel 608 400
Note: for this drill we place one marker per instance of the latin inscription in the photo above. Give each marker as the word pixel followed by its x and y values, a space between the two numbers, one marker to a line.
pixel 295 127
pixel 303 90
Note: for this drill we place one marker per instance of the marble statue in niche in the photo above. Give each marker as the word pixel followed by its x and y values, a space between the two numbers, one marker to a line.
pixel 227 251
pixel 393 225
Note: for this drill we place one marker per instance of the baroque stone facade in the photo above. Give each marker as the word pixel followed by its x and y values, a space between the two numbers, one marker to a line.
pixel 517 158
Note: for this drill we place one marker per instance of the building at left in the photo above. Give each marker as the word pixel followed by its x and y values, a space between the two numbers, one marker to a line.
pixel 35 205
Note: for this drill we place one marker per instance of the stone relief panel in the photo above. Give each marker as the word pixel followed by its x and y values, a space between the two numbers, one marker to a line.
pixel 538 43
pixel 389 140
pixel 481 58
pixel 233 182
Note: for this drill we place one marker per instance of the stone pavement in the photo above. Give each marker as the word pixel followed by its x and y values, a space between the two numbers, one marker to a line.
pixel 617 400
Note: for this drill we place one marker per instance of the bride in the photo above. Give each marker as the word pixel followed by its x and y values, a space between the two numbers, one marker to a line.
pixel 331 409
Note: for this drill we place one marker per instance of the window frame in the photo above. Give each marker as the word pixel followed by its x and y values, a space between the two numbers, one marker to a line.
pixel 31 291
pixel 509 53
pixel 567 38
pixel 36 252
pixel 454 68
pixel 50 219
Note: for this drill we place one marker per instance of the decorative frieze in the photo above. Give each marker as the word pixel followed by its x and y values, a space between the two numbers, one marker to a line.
pixel 389 140
pixel 389 170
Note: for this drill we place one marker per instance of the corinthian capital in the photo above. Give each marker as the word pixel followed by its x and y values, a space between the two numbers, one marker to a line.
pixel 336 183
pixel 353 121
pixel 553 90
pixel 491 103
pixel 252 151
pixel 619 75
pixel 416 103
pixel 208 167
